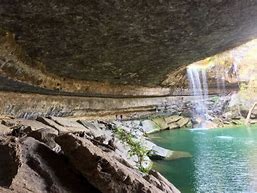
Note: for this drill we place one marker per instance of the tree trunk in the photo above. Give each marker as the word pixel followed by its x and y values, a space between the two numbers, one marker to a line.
pixel 249 114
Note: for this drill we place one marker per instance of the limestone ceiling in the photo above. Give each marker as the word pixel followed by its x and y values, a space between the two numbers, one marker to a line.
pixel 125 41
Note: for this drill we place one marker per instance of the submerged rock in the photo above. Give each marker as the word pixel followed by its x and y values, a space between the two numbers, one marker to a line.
pixel 162 153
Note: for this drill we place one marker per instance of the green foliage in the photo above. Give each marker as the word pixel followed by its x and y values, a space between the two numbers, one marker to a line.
pixel 215 99
pixel 136 149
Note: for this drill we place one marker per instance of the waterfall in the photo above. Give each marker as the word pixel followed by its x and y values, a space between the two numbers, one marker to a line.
pixel 220 80
pixel 199 89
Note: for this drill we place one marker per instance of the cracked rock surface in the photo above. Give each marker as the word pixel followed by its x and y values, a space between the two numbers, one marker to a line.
pixel 127 42
pixel 61 155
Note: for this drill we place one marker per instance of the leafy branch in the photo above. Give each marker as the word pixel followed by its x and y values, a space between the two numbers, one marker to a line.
pixel 136 149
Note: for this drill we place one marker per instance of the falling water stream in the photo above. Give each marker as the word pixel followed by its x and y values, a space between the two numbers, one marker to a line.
pixel 224 160
pixel 197 77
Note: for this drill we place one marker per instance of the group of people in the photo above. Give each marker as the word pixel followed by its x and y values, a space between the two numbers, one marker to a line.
pixel 119 117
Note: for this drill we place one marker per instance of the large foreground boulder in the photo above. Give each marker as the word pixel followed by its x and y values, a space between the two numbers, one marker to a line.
pixel 107 173
pixel 29 166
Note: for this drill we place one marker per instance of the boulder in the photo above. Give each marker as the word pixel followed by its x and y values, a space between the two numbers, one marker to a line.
pixel 4 130
pixel 20 130
pixel 253 121
pixel 62 125
pixel 162 153
pixel 173 125
pixel 189 124
pixel 122 152
pixel 237 122
pixel 158 180
pixel 93 128
pixel 149 126
pixel 28 123
pixel 234 113
pixel 178 155
pixel 104 171
pixel 148 145
pixel 47 136
pixel 52 124
pixel 162 124
pixel 183 121
pixel 68 122
pixel 28 165
pixel 172 119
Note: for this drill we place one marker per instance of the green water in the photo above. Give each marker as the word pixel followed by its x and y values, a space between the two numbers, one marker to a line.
pixel 223 160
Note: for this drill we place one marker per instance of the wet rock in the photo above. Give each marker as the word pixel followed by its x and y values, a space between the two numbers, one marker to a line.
pixel 182 122
pixel 102 170
pixel 178 155
pixel 159 153
pixel 161 122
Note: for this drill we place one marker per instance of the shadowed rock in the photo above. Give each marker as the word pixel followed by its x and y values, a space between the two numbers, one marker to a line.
pixel 30 166
pixel 123 41
pixel 8 163
pixel 104 171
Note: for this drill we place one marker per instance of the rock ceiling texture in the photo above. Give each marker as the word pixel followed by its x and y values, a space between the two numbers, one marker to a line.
pixel 125 41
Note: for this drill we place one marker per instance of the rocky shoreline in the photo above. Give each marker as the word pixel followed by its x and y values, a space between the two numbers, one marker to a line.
pixel 53 154
pixel 58 155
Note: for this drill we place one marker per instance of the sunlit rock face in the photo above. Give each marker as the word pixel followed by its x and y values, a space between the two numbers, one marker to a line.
pixel 125 42
pixel 226 71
